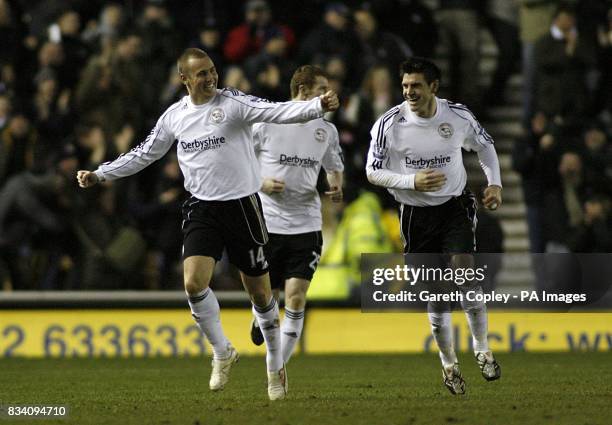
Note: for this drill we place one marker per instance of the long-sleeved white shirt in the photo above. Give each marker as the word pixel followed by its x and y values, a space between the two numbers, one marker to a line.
pixel 214 142
pixel 294 154
pixel 404 143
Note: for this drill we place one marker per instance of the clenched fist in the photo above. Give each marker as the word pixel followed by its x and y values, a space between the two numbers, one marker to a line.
pixel 87 178
pixel 492 199
pixel 329 101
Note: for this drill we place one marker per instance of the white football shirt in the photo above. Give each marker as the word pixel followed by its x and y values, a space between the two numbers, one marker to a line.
pixel 404 143
pixel 294 154
pixel 214 142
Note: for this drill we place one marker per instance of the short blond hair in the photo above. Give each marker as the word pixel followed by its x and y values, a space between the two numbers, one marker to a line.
pixel 190 53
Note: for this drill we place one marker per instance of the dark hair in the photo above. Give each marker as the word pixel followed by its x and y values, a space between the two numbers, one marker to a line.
pixel 417 65
pixel 564 7
pixel 189 53
pixel 305 75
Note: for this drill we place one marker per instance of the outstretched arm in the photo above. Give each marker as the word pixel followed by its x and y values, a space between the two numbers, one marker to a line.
pixel 150 150
pixel 254 109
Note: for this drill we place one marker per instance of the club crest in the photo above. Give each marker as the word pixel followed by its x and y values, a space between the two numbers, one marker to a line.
pixel 217 115
pixel 320 135
pixel 446 130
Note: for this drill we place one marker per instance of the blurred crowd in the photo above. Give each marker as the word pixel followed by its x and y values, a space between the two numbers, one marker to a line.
pixel 565 158
pixel 82 81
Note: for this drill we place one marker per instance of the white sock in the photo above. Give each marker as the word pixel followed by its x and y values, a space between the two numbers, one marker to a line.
pixel 291 330
pixel 206 312
pixel 267 318
pixel 476 314
pixel 442 331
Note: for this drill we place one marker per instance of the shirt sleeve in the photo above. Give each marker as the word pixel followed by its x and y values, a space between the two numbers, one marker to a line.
pixel 157 143
pixel 490 164
pixel 377 166
pixel 333 160
pixel 477 139
pixel 253 109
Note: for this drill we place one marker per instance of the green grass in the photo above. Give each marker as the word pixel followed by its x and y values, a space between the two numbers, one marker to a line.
pixel 384 389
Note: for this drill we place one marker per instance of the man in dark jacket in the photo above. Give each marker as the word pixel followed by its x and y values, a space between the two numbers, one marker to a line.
pixel 563 61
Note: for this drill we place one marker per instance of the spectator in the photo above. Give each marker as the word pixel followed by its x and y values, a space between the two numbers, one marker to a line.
pixel 535 17
pixel 460 34
pixel 42 14
pixel 18 147
pixel 256 33
pixel 9 36
pixel 379 47
pixel 51 58
pixel 35 211
pixel 563 62
pixel 353 122
pixel 75 51
pixel 412 20
pixel 267 81
pixel 52 111
pixel 378 89
pixel 5 110
pixel 273 65
pixel 8 80
pixel 502 22
pixel 563 204
pixel 603 100
pixel 93 146
pixel 108 93
pixel 108 27
pixel 536 158
pixel 597 158
pixel 594 233
pixel 209 40
pixel 158 47
pixel 111 251
pixel 236 78
pixel 173 90
pixel 333 38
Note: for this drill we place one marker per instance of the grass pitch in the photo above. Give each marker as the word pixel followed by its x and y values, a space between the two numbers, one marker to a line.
pixel 384 389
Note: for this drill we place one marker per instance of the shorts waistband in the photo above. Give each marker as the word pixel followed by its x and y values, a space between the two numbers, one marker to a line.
pixel 192 200
pixel 453 200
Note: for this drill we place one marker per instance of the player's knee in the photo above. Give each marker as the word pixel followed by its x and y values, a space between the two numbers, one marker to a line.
pixel 194 284
pixel 259 298
pixel 296 300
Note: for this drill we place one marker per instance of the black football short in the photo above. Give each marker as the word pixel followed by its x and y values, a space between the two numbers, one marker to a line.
pixel 446 228
pixel 293 256
pixel 237 225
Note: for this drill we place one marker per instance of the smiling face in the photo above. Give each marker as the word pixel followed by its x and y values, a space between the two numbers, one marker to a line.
pixel 419 94
pixel 200 77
